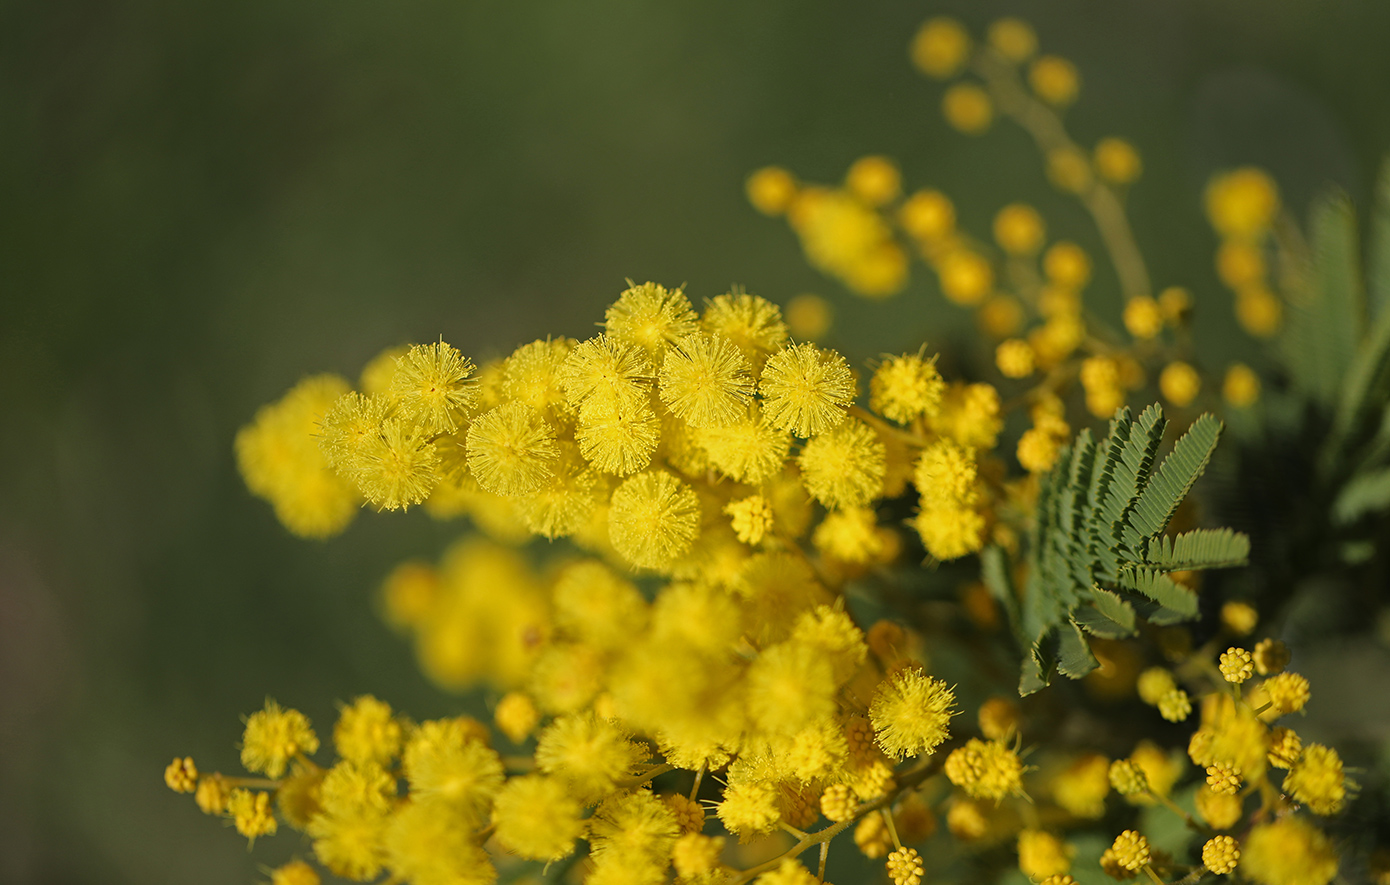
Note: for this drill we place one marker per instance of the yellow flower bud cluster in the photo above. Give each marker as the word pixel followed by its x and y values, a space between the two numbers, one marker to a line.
pixel 1242 206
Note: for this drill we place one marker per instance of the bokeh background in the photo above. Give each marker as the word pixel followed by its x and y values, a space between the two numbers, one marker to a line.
pixel 202 202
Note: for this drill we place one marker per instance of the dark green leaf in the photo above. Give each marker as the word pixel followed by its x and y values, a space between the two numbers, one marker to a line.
pixel 1074 658
pixel 1175 476
pixel 1200 549
pixel 1366 494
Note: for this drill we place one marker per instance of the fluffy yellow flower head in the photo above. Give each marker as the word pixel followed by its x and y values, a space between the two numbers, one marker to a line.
pixel 650 315
pixel 653 519
pixel 511 449
pixel 367 731
pixel 273 737
pixel 1288 851
pixel 431 387
pixel 806 390
pixel 537 818
pixel 906 387
pixel 966 277
pixel 1288 692
pixel 589 754
pixel 251 812
pixel 754 324
pixel 1317 781
pixel 749 450
pixel 531 374
pixel 911 713
pixel 617 438
pixel 844 467
pixel 296 872
pixel 706 381
pixel 985 769
pixel 607 370
pixel 445 761
pixel 1081 788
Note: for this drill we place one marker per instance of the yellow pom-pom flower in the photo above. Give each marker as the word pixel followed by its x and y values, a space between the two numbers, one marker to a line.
pixel 273 737
pixel 1317 781
pixel 941 47
pixel 296 872
pixel 1288 851
pixel 751 518
pixel 844 467
pixel 754 324
pixel 531 374
pixel 445 761
pixel 653 519
pixel 367 731
pixel 537 818
pixel 1128 778
pixel 512 450
pixel 651 316
pixel 806 390
pixel 706 381
pixel 1175 705
pixel 587 753
pixel 1142 317
pixel 1259 311
pixel 608 371
pixel 431 387
pixel 906 387
pixel 911 713
pixel 985 769
pixel 1041 854
pixel 809 317
pixel 1067 265
pixel 1285 747
pixel 397 467
pixel 617 438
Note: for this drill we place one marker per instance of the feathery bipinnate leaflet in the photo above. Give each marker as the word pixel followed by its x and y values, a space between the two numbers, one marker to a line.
pixel 1098 559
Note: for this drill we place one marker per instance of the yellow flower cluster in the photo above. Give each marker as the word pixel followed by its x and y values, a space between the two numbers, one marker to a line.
pixel 703 651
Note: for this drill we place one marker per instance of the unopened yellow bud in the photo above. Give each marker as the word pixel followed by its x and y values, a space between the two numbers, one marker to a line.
pixel 1117 161
pixel 874 179
pixel 1220 855
pixel 1131 850
pixel 940 47
pixel 1143 317
pixel 1013 39
pixel 1241 387
pixel 1237 665
pixel 771 190
pixel 967 108
pixel 1179 383
pixel 182 775
pixel 1019 229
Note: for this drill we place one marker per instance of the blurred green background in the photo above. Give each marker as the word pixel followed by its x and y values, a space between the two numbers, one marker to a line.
pixel 200 203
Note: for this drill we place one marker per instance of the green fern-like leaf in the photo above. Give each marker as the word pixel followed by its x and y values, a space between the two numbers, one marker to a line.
pixel 1098 561
pixel 1199 549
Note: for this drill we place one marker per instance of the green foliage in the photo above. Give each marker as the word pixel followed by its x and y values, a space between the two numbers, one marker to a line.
pixel 1098 559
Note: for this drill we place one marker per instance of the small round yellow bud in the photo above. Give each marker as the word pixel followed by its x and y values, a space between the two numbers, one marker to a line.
pixel 940 47
pixel 516 716
pixel 1013 39
pixel 1242 203
pixel 1000 316
pixel 1175 706
pixel 1221 854
pixel 1131 850
pixel 1153 684
pixel 1055 80
pixel 1179 383
pixel 967 108
pixel 837 803
pixel 1259 311
pixel 1241 388
pixel 1237 665
pixel 966 277
pixel 1117 161
pixel 874 179
pixel 1019 229
pixel 182 775
pixel 1014 358
pixel 771 190
pixel 1067 265
pixel 928 215
pixel 1285 746
pixel 1239 618
pixel 905 867
pixel 1223 779
pixel 1128 778
pixel 1143 317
